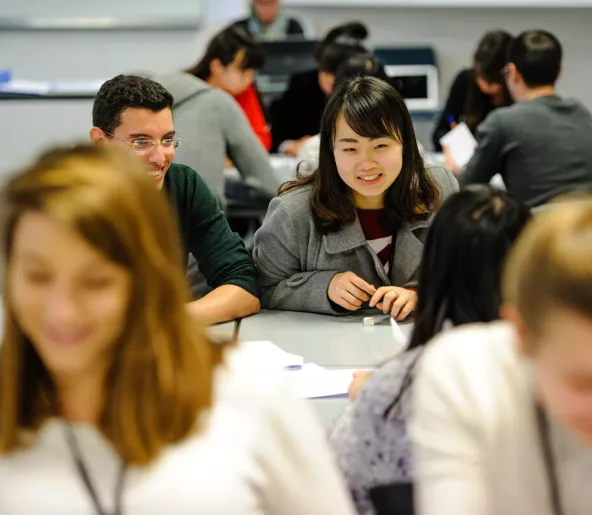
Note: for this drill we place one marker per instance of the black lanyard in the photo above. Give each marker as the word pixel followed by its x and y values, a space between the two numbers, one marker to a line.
pixel 84 475
pixel 549 458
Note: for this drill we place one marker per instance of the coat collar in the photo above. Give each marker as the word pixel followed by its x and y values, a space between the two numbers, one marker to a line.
pixel 408 247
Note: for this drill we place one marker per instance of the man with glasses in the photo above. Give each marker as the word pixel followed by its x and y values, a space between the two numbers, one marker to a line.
pixel 135 113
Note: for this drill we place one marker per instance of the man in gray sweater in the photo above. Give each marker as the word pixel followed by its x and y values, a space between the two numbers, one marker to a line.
pixel 214 127
pixel 542 145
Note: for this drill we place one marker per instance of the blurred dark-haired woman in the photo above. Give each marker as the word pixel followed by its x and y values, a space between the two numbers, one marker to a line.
pixel 478 90
pixel 459 284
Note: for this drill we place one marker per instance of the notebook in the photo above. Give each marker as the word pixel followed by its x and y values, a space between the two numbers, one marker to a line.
pixel 461 143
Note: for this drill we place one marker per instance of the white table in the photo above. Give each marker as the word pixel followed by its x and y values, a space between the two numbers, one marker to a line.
pixel 326 340
pixel 329 341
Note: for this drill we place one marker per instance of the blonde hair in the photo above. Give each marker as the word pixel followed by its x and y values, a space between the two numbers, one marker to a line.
pixel 551 264
pixel 160 378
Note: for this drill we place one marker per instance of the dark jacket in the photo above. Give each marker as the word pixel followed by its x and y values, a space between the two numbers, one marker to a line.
pixel 298 113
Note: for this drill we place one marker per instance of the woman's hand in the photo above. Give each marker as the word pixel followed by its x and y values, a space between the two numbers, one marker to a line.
pixel 349 291
pixel 294 147
pixel 359 379
pixel 399 302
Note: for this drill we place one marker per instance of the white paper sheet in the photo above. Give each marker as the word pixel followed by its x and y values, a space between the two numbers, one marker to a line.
pixel 398 335
pixel 273 355
pixel 461 143
pixel 313 381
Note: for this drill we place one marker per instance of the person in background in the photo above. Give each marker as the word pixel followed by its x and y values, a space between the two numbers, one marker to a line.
pixel 297 115
pixel 350 236
pixel 459 284
pixel 113 398
pixel 229 63
pixel 502 413
pixel 269 22
pixel 135 113
pixel 358 65
pixel 216 129
pixel 479 90
pixel 541 146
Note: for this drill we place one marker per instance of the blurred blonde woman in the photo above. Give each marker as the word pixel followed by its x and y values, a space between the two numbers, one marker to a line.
pixel 112 399
pixel 502 413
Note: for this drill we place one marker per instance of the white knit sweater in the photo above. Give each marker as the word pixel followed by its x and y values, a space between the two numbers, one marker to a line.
pixel 476 440
pixel 262 453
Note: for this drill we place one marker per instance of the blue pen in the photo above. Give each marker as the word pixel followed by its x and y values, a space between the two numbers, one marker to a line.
pixel 451 121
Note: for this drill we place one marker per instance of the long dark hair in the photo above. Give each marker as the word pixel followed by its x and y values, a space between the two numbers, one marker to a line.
pixel 462 263
pixel 339 44
pixel 224 46
pixel 463 257
pixel 488 62
pixel 373 109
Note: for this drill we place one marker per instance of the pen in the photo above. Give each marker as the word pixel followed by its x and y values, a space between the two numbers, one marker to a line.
pixel 451 121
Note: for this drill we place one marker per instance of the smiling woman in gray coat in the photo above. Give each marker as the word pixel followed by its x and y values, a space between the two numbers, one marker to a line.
pixel 350 236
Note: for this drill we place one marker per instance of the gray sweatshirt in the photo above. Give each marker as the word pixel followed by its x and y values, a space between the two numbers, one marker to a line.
pixel 542 148
pixel 213 127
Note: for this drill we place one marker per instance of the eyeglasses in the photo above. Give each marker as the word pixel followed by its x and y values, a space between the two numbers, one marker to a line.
pixel 145 146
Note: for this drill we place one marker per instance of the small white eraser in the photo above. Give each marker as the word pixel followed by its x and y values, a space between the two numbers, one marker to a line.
pixel 368 321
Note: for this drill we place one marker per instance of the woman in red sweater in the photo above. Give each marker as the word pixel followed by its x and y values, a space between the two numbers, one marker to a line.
pixel 230 62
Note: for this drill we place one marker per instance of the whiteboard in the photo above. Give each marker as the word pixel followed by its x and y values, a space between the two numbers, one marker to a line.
pixel 104 14
pixel 439 3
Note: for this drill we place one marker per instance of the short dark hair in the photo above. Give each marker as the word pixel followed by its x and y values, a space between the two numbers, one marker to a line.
pixel 537 56
pixel 127 91
pixel 224 46
pixel 373 109
pixel 361 65
pixel 339 44
pixel 463 259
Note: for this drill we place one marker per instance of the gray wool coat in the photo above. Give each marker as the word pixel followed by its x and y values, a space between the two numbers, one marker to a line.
pixel 296 263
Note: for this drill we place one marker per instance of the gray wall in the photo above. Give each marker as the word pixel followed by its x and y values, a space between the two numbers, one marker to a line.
pixel 454 33
pixel 25 127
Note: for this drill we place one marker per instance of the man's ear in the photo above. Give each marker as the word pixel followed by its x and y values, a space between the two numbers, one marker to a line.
pixel 513 73
pixel 97 136
pixel 216 67
pixel 510 313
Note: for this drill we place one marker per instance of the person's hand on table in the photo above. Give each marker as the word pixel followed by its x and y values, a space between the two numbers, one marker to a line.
pixel 359 379
pixel 293 148
pixel 349 291
pixel 399 302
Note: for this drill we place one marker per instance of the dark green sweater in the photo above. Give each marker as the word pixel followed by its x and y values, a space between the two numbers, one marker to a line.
pixel 220 253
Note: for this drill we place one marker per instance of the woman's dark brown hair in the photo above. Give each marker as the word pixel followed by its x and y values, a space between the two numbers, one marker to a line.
pixel 225 46
pixel 160 379
pixel 488 63
pixel 373 109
